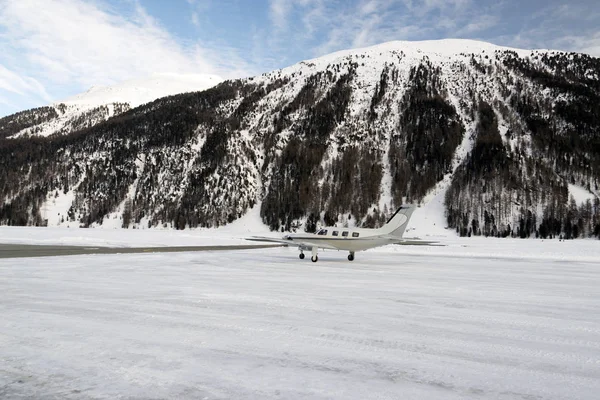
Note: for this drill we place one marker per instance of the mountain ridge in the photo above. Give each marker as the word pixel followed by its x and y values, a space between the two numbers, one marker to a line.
pixel 136 92
pixel 100 103
pixel 348 137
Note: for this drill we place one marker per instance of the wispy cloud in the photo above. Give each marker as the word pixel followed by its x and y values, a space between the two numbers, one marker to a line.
pixel 21 86
pixel 423 7
pixel 73 40
pixel 482 23
pixel 343 25
pixel 567 27
pixel 279 11
pixel 589 44
pixel 310 12
pixel 350 24
pixel 198 7
pixel 83 43
pixel 368 22
pixel 50 49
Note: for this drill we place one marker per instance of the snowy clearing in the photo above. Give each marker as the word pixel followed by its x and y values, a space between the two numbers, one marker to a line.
pixel 500 319
pixel 580 194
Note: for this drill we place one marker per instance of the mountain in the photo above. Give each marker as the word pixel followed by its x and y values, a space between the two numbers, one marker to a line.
pixel 492 140
pixel 100 103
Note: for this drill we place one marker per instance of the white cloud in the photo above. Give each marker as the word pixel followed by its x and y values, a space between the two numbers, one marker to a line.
pixel 565 27
pixel 279 10
pixel 419 8
pixel 77 44
pixel 312 14
pixel 21 85
pixel 51 49
pixel 539 39
pixel 368 22
pixel 5 101
pixel 482 23
pixel 195 19
pixel 362 23
pixel 198 7
pixel 369 7
pixel 588 44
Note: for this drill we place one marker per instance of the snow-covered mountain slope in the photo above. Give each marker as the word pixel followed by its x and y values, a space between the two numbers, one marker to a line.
pixel 136 92
pixel 486 138
pixel 100 103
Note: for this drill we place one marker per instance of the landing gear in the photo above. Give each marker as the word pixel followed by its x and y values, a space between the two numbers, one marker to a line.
pixel 301 256
pixel 314 257
pixel 351 256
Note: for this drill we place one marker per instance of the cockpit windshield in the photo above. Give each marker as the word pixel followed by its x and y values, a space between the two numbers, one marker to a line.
pixel 322 232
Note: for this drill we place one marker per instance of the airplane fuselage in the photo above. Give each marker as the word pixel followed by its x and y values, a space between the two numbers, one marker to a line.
pixel 349 239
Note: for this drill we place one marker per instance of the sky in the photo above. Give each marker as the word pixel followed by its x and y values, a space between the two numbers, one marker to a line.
pixel 53 49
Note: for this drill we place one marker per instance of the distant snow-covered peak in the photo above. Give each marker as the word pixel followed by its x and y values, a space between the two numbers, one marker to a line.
pixel 441 48
pixel 98 103
pixel 136 92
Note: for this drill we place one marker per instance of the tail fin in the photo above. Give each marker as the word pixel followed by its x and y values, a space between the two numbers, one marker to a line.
pixel 398 222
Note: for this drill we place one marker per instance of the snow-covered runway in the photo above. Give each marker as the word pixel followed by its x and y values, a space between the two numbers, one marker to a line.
pixel 403 322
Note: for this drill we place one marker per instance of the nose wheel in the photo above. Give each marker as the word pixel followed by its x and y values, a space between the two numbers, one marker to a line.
pixel 351 256
pixel 301 256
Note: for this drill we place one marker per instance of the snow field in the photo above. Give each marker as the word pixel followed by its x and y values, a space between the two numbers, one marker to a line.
pixel 476 319
pixel 136 92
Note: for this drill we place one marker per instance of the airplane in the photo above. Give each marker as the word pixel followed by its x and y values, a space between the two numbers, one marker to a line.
pixel 350 239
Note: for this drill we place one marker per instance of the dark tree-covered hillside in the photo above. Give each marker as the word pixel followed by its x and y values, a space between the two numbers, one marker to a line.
pixel 506 135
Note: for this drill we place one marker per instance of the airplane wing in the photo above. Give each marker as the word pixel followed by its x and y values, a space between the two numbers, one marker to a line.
pixel 330 243
pixel 419 243
pixel 271 240
pixel 296 242
pixel 410 242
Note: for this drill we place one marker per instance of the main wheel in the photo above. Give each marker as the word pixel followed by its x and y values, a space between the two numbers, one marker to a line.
pixel 301 256
pixel 314 259
pixel 350 257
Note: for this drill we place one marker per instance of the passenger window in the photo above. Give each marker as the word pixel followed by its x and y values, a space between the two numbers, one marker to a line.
pixel 334 233
pixel 322 232
pixel 355 234
pixel 345 233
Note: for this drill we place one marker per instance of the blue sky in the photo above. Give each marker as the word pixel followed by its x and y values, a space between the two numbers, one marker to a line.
pixel 53 49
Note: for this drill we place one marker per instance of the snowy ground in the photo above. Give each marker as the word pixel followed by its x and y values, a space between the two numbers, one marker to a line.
pixel 478 318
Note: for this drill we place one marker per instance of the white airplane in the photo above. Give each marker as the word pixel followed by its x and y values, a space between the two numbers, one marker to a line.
pixel 350 239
